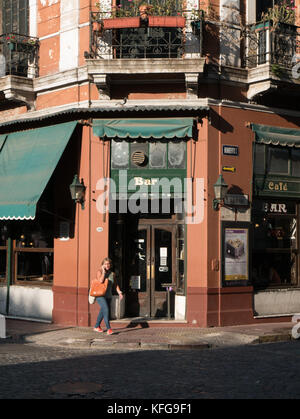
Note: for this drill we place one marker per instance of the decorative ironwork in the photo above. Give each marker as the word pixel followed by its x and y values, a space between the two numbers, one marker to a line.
pixel 145 43
pixel 19 55
pixel 274 45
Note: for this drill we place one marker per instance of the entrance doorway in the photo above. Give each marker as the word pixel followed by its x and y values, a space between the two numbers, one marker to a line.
pixel 152 270
pixel 148 256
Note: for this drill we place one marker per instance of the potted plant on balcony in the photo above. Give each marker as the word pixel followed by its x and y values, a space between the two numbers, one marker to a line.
pixel 283 13
pixel 162 15
pixel 118 18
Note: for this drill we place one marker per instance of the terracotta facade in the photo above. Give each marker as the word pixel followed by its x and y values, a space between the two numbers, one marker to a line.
pixel 74 85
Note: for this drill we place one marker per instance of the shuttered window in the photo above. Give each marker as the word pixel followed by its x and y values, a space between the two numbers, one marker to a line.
pixel 15 16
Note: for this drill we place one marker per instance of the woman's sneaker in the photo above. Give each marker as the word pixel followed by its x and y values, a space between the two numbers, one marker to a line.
pixel 98 329
pixel 110 332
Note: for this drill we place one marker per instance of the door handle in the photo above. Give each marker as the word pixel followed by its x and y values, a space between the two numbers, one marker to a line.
pixel 150 269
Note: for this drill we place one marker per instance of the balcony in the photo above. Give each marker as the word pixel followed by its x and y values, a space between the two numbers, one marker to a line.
pixel 271 56
pixel 153 45
pixel 18 67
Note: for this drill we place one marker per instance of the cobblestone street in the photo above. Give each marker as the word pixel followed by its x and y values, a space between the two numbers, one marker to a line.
pixel 258 371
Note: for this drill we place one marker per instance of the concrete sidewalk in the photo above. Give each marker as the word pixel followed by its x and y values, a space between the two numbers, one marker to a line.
pixel 141 336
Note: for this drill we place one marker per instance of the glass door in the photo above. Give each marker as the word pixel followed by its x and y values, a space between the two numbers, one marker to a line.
pixel 162 269
pixel 152 271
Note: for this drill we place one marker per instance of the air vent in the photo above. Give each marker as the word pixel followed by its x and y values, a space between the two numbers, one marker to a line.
pixel 138 158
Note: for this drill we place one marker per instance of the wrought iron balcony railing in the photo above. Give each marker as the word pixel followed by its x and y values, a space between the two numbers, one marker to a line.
pixel 141 43
pixel 19 55
pixel 278 45
pixel 174 37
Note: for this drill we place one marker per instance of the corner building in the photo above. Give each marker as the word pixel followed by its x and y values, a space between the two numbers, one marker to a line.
pixel 156 113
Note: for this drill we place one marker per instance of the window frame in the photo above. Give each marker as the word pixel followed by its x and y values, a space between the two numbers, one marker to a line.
pixel 266 171
pixel 146 145
pixel 15 16
pixel 269 251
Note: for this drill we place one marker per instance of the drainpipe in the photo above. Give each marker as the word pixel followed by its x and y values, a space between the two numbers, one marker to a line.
pixel 9 271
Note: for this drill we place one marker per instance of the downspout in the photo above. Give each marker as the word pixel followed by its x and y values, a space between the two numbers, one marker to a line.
pixel 219 214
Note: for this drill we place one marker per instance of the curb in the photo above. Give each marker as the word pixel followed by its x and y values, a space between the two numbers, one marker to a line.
pixel 94 343
pixel 275 338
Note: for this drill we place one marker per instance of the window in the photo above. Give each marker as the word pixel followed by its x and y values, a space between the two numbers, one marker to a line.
pixel 276 160
pixel 34 250
pixel 120 155
pixel 259 159
pixel 275 243
pixel 148 155
pixel 263 5
pixel 295 159
pixel 157 155
pixel 18 52
pixel 15 16
pixel 176 155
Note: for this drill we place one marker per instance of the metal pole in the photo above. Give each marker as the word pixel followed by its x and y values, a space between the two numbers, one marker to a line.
pixel 8 272
pixel 168 302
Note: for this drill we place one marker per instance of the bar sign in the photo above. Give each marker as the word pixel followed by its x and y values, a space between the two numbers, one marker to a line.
pixel 230 150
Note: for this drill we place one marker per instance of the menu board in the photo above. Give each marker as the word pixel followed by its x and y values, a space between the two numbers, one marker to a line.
pixel 235 256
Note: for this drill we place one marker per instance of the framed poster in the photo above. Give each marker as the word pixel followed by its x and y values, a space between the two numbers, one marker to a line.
pixel 235 254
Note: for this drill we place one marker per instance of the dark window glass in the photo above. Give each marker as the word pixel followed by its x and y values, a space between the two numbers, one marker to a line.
pixel 262 7
pixel 119 154
pixel 15 16
pixel 295 158
pixel 158 155
pixel 275 248
pixel 176 155
pixel 259 159
pixel 278 161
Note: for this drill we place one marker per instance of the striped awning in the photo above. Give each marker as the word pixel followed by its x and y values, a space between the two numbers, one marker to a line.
pixel 265 134
pixel 27 161
pixel 156 128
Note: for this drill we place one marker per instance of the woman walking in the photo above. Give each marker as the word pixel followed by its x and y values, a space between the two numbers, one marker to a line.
pixel 105 272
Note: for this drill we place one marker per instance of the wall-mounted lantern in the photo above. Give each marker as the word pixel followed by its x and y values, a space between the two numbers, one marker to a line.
pixel 77 190
pixel 220 188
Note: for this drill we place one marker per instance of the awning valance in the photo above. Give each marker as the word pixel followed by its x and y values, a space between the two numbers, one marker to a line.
pixel 265 134
pixel 144 128
pixel 27 161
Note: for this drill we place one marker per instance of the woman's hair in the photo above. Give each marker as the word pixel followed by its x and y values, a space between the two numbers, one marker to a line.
pixel 106 260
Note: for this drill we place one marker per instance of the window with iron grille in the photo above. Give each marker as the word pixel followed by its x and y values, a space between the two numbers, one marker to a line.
pixel 15 16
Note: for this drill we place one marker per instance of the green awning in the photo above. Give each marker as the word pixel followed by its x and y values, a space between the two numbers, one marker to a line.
pixel 27 161
pixel 144 128
pixel 265 134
